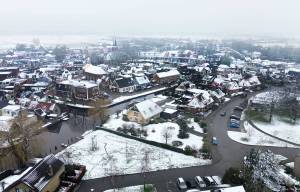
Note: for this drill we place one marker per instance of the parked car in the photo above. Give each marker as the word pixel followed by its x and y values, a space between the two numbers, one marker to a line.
pixel 193 190
pixel 217 180
pixel 200 181
pixel 181 183
pixel 234 121
pixel 238 108
pixel 209 181
pixel 234 117
pixel 234 125
pixel 214 141
pixel 191 184
pixel 223 113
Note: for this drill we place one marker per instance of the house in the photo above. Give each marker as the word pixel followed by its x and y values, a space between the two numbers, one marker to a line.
pixel 217 95
pixel 44 176
pixel 78 89
pixel 143 112
pixel 166 77
pixel 232 87
pixel 11 110
pixel 92 72
pixel 142 82
pixel 201 101
pixel 252 82
pixel 122 85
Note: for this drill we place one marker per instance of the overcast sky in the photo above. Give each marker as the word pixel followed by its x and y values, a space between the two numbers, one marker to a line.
pixel 150 17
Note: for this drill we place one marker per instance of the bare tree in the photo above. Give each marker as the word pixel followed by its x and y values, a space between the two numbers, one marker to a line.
pixel 20 137
pixel 145 164
pixel 99 112
pixel 167 133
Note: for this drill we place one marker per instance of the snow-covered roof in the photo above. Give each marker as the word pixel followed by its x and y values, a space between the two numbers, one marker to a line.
pixel 12 107
pixel 148 109
pixel 170 73
pixel 142 80
pixel 252 81
pixel 96 70
pixel 77 83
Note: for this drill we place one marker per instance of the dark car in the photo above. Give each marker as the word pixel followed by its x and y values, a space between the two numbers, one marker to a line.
pixel 191 184
pixel 234 117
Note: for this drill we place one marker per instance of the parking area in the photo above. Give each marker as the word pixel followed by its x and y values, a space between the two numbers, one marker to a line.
pixel 193 184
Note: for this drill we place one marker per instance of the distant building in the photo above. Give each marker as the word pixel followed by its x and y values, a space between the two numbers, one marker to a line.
pixel 166 77
pixel 92 72
pixel 85 90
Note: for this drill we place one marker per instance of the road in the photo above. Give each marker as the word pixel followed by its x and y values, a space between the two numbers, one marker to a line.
pixel 227 154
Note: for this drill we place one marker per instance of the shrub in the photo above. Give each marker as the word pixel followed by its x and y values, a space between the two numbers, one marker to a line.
pixel 197 119
pixel 189 150
pixel 182 134
pixel 203 124
pixel 232 176
pixel 177 143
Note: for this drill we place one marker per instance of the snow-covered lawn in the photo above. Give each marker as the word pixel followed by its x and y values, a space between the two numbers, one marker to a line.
pixel 155 131
pixel 281 129
pixel 116 155
pixel 254 137
pixel 195 125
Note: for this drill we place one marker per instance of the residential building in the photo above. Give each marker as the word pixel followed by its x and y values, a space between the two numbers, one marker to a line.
pixel 143 112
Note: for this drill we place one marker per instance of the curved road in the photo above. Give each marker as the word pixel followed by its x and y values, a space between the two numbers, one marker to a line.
pixel 227 154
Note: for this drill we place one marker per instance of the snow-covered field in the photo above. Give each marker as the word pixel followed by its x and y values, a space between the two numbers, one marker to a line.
pixel 254 137
pixel 106 154
pixel 156 131
pixel 281 129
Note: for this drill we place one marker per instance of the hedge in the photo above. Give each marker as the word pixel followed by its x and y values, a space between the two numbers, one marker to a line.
pixel 154 143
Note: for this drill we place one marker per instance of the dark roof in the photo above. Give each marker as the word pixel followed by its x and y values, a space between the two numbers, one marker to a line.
pixel 38 177
pixel 124 82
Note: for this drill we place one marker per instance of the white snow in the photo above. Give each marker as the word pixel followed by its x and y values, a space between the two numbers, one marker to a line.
pixel 124 98
pixel 254 137
pixel 116 155
pixel 96 70
pixel 168 74
pixel 195 125
pixel 281 129
pixel 173 130
pixel 148 109
pixel 115 122
pixel 137 188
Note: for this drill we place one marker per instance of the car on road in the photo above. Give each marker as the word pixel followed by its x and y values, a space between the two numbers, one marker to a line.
pixel 181 183
pixel 200 181
pixel 214 141
pixel 209 181
pixel 223 113
pixel 234 121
